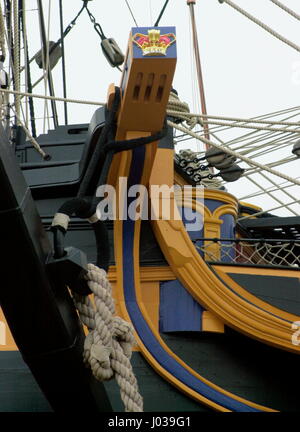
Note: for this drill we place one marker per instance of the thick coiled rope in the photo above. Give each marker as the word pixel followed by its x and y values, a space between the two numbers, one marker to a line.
pixel 108 346
pixel 181 110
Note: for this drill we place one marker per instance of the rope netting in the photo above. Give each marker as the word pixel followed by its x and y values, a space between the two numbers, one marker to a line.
pixel 251 251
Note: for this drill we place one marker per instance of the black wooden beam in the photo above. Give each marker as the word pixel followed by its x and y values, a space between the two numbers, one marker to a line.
pixel 41 315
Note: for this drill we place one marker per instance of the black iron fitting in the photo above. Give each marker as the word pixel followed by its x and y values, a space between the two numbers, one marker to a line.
pixel 70 270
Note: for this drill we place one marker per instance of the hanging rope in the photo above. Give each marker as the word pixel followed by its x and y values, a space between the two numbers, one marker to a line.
pixel 3 98
pixel 261 24
pixel 2 34
pixel 33 141
pixel 108 346
pixel 16 65
pixel 286 9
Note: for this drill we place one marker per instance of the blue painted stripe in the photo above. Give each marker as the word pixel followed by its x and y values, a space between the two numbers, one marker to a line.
pixel 178 310
pixel 161 356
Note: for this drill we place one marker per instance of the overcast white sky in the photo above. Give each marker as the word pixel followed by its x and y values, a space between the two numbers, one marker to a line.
pixel 246 71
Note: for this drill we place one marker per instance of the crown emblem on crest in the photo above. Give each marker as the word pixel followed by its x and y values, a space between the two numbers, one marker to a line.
pixel 154 43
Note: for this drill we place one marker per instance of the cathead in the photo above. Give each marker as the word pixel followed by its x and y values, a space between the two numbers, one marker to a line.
pixel 142 275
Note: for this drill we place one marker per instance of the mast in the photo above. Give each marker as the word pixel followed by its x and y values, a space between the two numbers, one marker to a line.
pixel 191 4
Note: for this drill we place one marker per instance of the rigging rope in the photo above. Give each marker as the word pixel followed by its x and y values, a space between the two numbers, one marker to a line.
pixel 28 81
pixel 2 34
pixel 282 186
pixel 269 210
pixel 251 120
pixel 4 106
pixel 16 65
pixel 204 120
pixel 23 30
pixel 71 25
pixel 273 196
pixel 247 175
pixel 249 161
pixel 55 98
pixel 131 13
pixel 286 9
pixel 46 68
pixel 161 13
pixel 261 24
pixel 108 346
pixel 65 32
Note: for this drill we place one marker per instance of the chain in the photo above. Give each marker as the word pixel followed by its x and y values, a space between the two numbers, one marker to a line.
pixel 96 25
pixel 72 23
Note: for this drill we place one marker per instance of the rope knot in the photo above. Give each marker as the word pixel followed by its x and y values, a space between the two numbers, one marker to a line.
pixel 123 333
pixel 108 346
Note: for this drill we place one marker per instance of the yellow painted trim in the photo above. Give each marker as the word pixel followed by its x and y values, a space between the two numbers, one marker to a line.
pixel 208 194
pixel 7 342
pixel 258 270
pixel 212 220
pixel 225 209
pixel 222 196
pixel 246 204
pixel 147 274
pixel 211 323
pixel 150 292
pixel 212 229
pixel 258 209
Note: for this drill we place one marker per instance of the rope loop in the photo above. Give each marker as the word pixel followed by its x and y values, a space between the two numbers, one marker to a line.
pixel 180 110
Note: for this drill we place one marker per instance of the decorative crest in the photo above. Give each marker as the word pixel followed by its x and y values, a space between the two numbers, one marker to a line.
pixel 154 44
